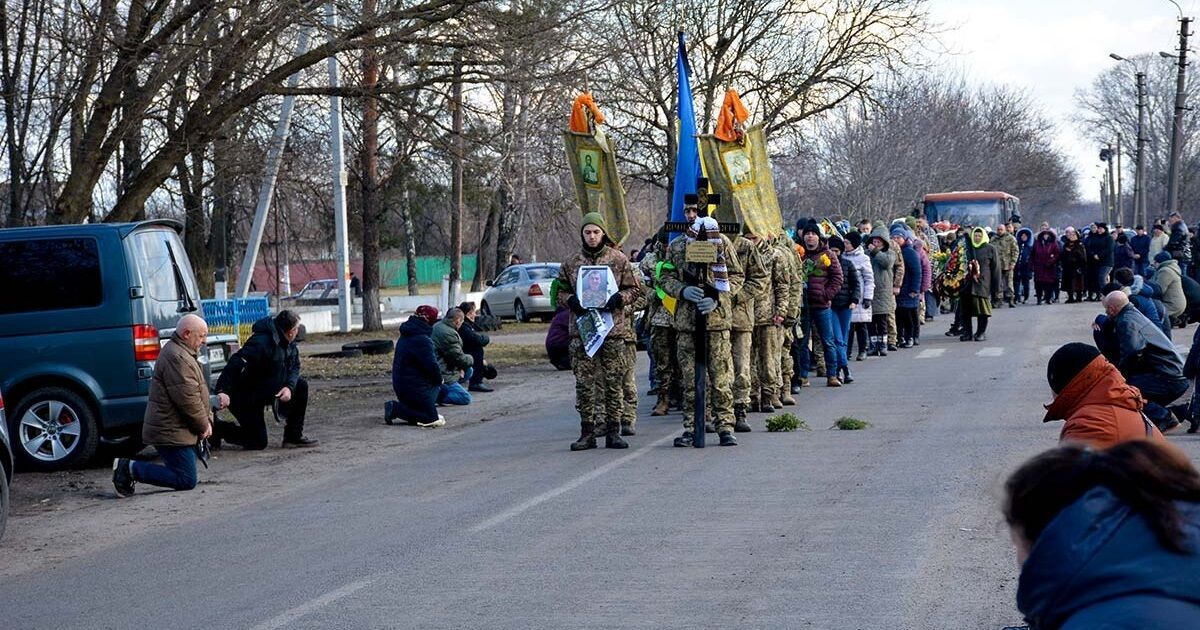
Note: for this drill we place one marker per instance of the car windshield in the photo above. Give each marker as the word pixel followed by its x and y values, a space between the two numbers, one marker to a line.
pixel 542 273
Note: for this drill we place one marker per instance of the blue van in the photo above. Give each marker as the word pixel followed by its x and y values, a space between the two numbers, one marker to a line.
pixel 84 310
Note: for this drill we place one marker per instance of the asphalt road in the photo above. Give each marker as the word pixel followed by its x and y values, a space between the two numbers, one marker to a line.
pixel 896 526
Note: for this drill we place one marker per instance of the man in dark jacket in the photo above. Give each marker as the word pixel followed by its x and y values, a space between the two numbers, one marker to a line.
pixel 178 415
pixel 265 371
pixel 1145 356
pixel 1141 251
pixel 824 280
pixel 473 342
pixel 1178 242
pixel 1100 249
pixel 1142 296
pixel 456 364
pixel 416 375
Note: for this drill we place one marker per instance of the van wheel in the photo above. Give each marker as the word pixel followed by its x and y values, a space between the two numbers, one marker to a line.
pixel 53 428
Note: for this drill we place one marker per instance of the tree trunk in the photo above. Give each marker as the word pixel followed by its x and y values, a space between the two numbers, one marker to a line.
pixel 369 179
pixel 410 239
pixel 484 265
pixel 195 231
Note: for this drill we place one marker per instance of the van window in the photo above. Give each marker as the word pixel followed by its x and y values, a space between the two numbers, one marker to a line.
pixel 49 274
pixel 166 276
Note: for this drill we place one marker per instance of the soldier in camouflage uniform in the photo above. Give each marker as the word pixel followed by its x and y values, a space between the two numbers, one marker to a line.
pixel 795 268
pixel 662 330
pixel 629 413
pixel 695 287
pixel 742 330
pixel 769 314
pixel 599 379
pixel 898 274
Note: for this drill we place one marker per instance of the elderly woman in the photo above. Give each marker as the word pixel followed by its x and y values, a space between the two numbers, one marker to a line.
pixel 1074 266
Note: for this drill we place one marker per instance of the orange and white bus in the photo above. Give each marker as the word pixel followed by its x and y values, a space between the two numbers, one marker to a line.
pixel 976 208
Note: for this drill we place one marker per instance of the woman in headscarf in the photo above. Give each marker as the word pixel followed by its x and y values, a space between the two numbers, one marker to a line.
pixel 1074 264
pixel 979 288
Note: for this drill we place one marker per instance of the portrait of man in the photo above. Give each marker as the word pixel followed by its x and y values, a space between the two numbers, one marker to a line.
pixel 589 165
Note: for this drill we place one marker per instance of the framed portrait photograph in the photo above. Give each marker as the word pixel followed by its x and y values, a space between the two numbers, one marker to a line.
pixel 595 285
pixel 589 166
pixel 738 168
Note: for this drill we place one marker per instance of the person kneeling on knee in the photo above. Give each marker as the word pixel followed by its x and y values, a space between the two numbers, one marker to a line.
pixel 265 371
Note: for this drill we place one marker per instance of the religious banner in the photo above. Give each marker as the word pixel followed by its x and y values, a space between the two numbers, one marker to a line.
pixel 591 156
pixel 737 166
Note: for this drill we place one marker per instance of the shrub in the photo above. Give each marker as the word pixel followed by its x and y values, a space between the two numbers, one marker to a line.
pixel 786 422
pixel 846 423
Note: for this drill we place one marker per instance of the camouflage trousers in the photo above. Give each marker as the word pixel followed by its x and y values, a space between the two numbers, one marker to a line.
pixel 893 334
pixel 765 376
pixel 599 386
pixel 720 379
pixel 741 343
pixel 629 411
pixel 787 367
pixel 666 370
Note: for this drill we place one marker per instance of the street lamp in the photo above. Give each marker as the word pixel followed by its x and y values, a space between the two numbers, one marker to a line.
pixel 1139 194
pixel 1180 106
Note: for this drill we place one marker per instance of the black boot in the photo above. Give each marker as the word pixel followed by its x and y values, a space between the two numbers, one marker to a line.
pixel 967 334
pixel 684 441
pixel 847 378
pixel 739 419
pixel 614 440
pixel 587 439
pixel 727 439
pixel 981 334
pixel 628 430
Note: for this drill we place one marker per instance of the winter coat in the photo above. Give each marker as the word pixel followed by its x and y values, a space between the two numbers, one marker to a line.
pixel 263 366
pixel 883 261
pixel 1157 244
pixel 825 278
pixel 448 347
pixel 656 313
pixel 558 337
pixel 1007 251
pixel 1168 278
pixel 1143 348
pixel 629 286
pixel 774 300
pixel 1024 268
pixel 866 279
pixel 851 290
pixel 1141 246
pixel 929 235
pixel 1044 259
pixel 795 280
pixel 987 283
pixel 1178 243
pixel 1145 296
pixel 1100 408
pixel 1074 263
pixel 1099 250
pixel 1098 565
pixel 178 410
pixel 1123 256
pixel 926 270
pixel 754 288
pixel 473 337
pixel 416 374
pixel 684 274
pixel 910 288
pixel 1191 291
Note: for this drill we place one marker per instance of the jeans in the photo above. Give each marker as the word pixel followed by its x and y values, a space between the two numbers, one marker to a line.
pixel 841 331
pixel 1158 392
pixel 178 470
pixel 822 325
pixel 1102 274
pixel 454 394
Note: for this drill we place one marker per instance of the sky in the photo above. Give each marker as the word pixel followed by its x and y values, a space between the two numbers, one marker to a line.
pixel 1051 48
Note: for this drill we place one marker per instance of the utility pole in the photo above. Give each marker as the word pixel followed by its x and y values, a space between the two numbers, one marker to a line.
pixel 456 194
pixel 1177 126
pixel 1139 188
pixel 1120 196
pixel 341 239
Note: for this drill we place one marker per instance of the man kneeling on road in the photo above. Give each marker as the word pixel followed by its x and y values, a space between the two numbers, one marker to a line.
pixel 1143 354
pixel 1100 408
pixel 178 414
pixel 456 364
pixel 265 371
pixel 416 375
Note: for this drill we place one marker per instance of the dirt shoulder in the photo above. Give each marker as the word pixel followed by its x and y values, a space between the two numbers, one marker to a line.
pixel 345 413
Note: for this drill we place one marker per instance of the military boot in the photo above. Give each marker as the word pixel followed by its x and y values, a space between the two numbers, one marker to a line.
pixel 774 400
pixel 614 440
pixel 684 440
pixel 785 396
pixel 662 407
pixel 753 407
pixel 727 439
pixel 739 419
pixel 628 430
pixel 587 439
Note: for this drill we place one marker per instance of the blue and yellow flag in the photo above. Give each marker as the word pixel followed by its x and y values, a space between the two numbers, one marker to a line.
pixel 687 159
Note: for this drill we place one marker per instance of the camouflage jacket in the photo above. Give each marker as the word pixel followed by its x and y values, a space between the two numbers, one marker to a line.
pixel 628 284
pixel 775 298
pixel 673 282
pixel 640 303
pixel 1007 250
pixel 795 282
pixel 754 288
pixel 655 311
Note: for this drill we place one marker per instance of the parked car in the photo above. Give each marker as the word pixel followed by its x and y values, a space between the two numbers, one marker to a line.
pixel 6 464
pixel 86 309
pixel 316 292
pixel 521 291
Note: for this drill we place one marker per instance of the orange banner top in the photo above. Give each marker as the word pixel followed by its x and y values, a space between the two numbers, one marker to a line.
pixel 579 111
pixel 733 116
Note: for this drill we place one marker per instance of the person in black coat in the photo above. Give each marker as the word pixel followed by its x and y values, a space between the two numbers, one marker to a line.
pixel 265 371
pixel 473 341
pixel 416 375
pixel 1100 249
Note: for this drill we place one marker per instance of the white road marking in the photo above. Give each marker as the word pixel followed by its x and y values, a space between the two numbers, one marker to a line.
pixel 289 617
pixel 990 352
pixel 569 486
pixel 931 353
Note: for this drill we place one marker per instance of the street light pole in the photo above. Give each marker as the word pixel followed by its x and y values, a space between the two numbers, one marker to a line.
pixel 1139 187
pixel 1177 126
pixel 1120 194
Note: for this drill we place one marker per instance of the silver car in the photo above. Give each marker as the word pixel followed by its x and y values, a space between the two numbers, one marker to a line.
pixel 521 291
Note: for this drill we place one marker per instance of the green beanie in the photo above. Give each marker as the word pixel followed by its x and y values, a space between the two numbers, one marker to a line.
pixel 596 219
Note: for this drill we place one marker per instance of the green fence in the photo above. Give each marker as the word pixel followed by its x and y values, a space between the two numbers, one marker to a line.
pixel 430 269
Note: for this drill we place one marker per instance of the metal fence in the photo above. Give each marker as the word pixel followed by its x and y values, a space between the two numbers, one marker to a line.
pixel 234 316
